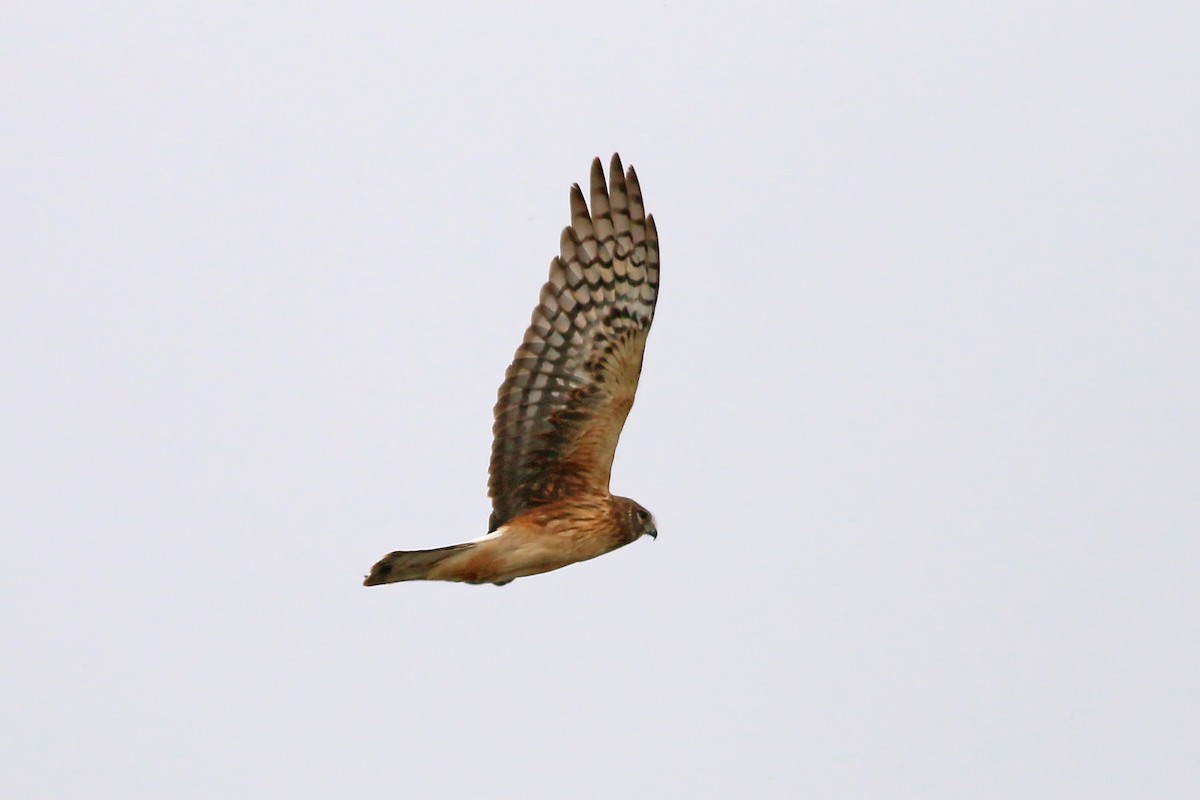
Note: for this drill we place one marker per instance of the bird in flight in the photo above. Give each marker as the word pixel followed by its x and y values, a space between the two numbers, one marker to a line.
pixel 563 403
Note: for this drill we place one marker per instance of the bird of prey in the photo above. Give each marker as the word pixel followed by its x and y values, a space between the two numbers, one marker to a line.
pixel 563 403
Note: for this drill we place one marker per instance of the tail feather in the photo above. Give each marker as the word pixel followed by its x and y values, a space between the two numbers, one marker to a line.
pixel 410 565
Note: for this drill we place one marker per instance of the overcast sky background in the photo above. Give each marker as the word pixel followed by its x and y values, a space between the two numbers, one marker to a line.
pixel 918 417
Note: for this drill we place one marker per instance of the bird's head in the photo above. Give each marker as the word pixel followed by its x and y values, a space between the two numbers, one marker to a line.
pixel 635 521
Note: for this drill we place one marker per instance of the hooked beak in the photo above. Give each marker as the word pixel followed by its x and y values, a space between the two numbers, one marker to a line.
pixel 652 533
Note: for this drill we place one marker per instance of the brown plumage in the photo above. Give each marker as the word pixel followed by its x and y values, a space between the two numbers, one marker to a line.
pixel 563 403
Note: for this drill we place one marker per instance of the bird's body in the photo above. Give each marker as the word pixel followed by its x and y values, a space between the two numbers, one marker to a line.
pixel 540 540
pixel 563 403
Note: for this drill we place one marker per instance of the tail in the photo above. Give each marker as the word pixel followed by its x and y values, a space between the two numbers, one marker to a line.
pixel 410 565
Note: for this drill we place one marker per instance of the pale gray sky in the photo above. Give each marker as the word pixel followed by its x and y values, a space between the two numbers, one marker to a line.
pixel 918 418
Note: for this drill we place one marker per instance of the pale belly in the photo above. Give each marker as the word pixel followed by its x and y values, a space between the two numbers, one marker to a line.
pixel 512 553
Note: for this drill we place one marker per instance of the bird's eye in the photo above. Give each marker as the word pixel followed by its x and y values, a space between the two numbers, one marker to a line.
pixel 642 515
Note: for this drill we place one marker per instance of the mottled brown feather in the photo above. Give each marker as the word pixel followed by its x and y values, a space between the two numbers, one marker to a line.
pixel 572 381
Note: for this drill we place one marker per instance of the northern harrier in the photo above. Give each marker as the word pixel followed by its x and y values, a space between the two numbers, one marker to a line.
pixel 563 403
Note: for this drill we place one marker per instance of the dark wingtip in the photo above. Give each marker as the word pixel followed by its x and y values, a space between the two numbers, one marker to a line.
pixel 380 572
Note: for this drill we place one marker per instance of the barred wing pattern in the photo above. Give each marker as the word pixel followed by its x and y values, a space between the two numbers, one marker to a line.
pixel 572 381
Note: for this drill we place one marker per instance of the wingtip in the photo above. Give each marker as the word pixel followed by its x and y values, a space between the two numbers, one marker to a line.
pixel 614 165
pixel 381 571
pixel 598 182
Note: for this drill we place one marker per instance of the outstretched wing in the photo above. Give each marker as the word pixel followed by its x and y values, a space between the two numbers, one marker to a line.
pixel 571 384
